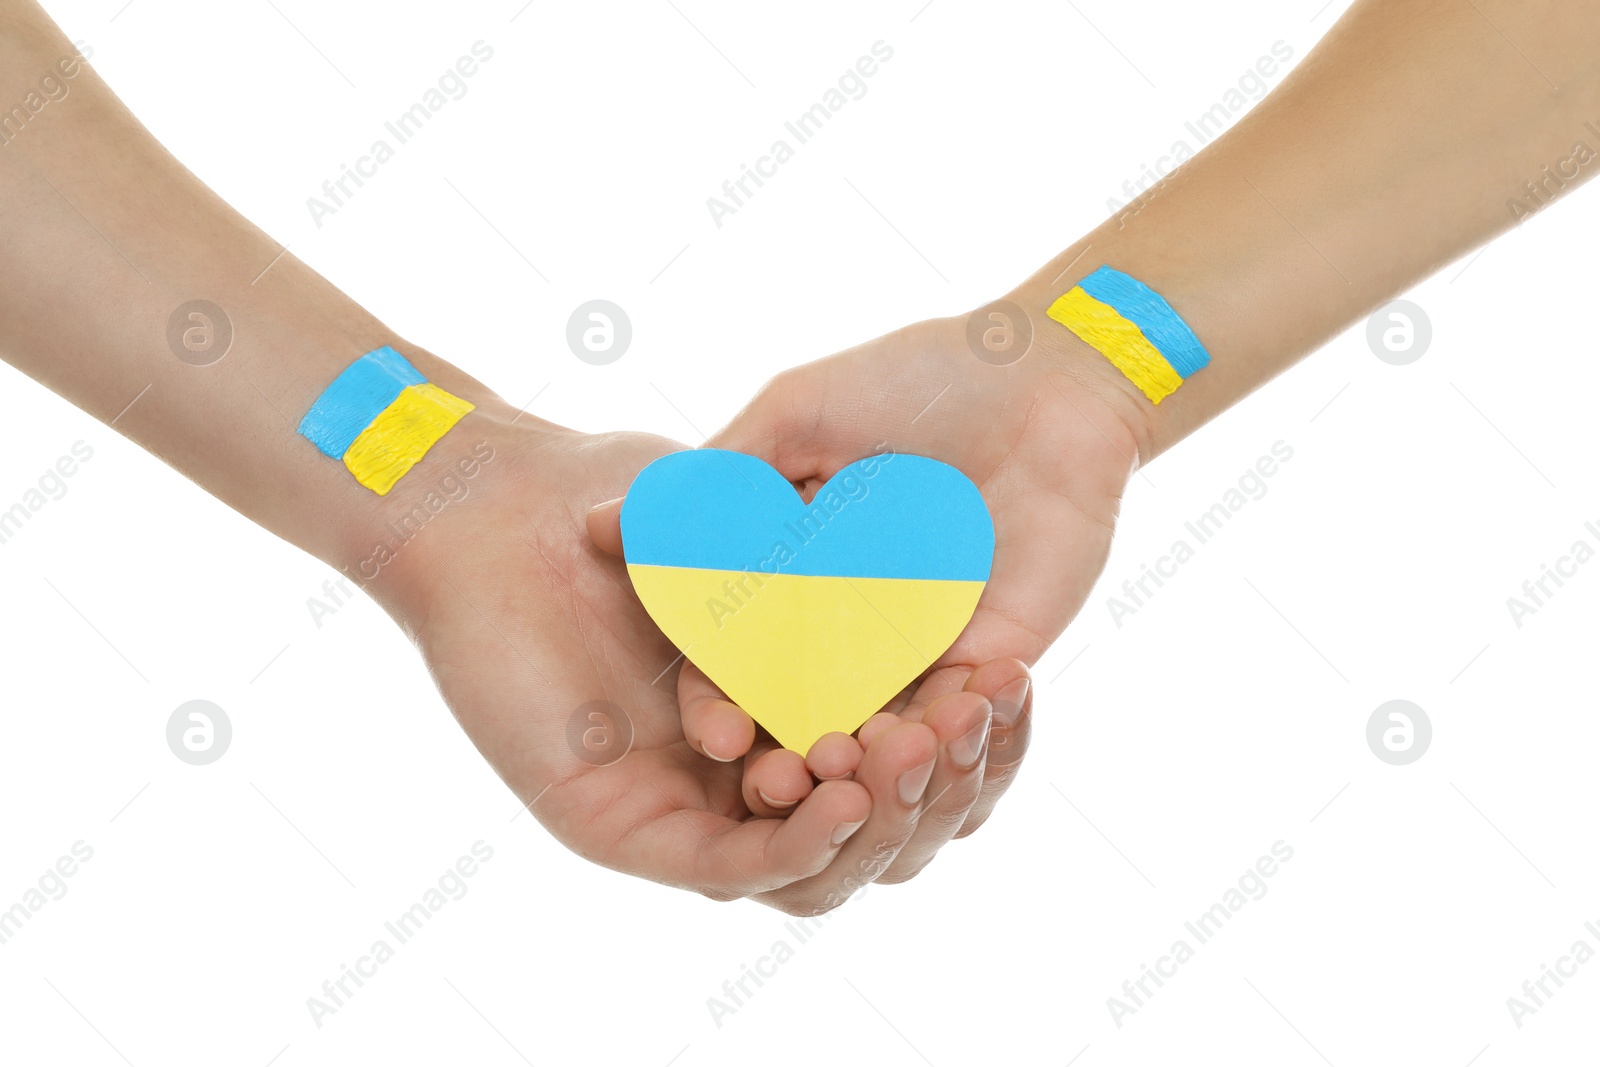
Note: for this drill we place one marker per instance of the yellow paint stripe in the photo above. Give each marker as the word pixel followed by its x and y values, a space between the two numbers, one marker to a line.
pixel 401 435
pixel 1103 328
pixel 806 655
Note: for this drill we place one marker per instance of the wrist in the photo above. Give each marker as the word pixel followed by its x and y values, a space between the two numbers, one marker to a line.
pixel 1125 414
pixel 1193 288
pixel 397 545
pixel 1089 391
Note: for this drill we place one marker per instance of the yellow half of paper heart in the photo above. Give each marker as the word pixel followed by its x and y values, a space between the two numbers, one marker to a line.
pixel 807 654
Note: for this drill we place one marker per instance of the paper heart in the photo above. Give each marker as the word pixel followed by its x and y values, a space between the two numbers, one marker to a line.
pixel 813 616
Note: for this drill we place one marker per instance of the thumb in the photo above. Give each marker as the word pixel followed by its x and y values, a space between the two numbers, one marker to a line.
pixel 808 422
pixel 605 526
pixel 782 425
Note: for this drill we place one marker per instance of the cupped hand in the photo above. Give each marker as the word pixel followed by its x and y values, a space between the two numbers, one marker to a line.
pixel 1050 442
pixel 544 654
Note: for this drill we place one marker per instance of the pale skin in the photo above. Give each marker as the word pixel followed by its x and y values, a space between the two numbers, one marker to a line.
pixel 521 620
pixel 513 596
pixel 1323 203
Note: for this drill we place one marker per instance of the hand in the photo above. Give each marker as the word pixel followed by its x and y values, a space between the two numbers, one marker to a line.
pixel 1049 441
pixel 525 625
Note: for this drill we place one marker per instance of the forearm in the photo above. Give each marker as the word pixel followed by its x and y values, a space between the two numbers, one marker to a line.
pixel 1393 149
pixel 105 236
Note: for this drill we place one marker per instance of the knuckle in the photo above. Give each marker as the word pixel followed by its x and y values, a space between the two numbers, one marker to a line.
pixel 775 396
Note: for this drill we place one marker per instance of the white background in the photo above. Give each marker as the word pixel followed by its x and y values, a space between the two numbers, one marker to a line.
pixel 1228 714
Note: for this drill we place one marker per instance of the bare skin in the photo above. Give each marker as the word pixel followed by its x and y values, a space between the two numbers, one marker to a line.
pixel 524 624
pixel 1391 150
pixel 1322 203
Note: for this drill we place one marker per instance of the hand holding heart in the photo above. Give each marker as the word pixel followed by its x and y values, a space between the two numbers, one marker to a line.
pixel 1049 444
pixel 526 617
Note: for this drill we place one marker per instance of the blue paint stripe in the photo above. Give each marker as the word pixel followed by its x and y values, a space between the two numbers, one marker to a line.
pixel 355 398
pixel 1145 308
pixel 892 516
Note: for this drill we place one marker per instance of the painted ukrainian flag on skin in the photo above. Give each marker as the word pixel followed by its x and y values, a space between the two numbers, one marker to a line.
pixel 380 417
pixel 810 617
pixel 1135 328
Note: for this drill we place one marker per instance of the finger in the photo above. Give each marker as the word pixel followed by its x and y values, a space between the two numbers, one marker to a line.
pixel 714 725
pixel 895 770
pixel 1010 691
pixel 725 859
pixel 913 703
pixel 835 755
pixel 605 526
pixel 961 722
pixel 877 726
pixel 810 421
pixel 775 780
pixel 781 424
pixel 1007 685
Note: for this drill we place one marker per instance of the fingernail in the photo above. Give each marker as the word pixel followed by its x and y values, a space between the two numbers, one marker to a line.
pixel 847 776
pixel 844 830
pixel 606 503
pixel 712 755
pixel 965 749
pixel 781 805
pixel 914 783
pixel 1009 702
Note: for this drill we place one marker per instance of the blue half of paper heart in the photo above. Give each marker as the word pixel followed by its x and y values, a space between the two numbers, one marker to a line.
pixel 887 516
